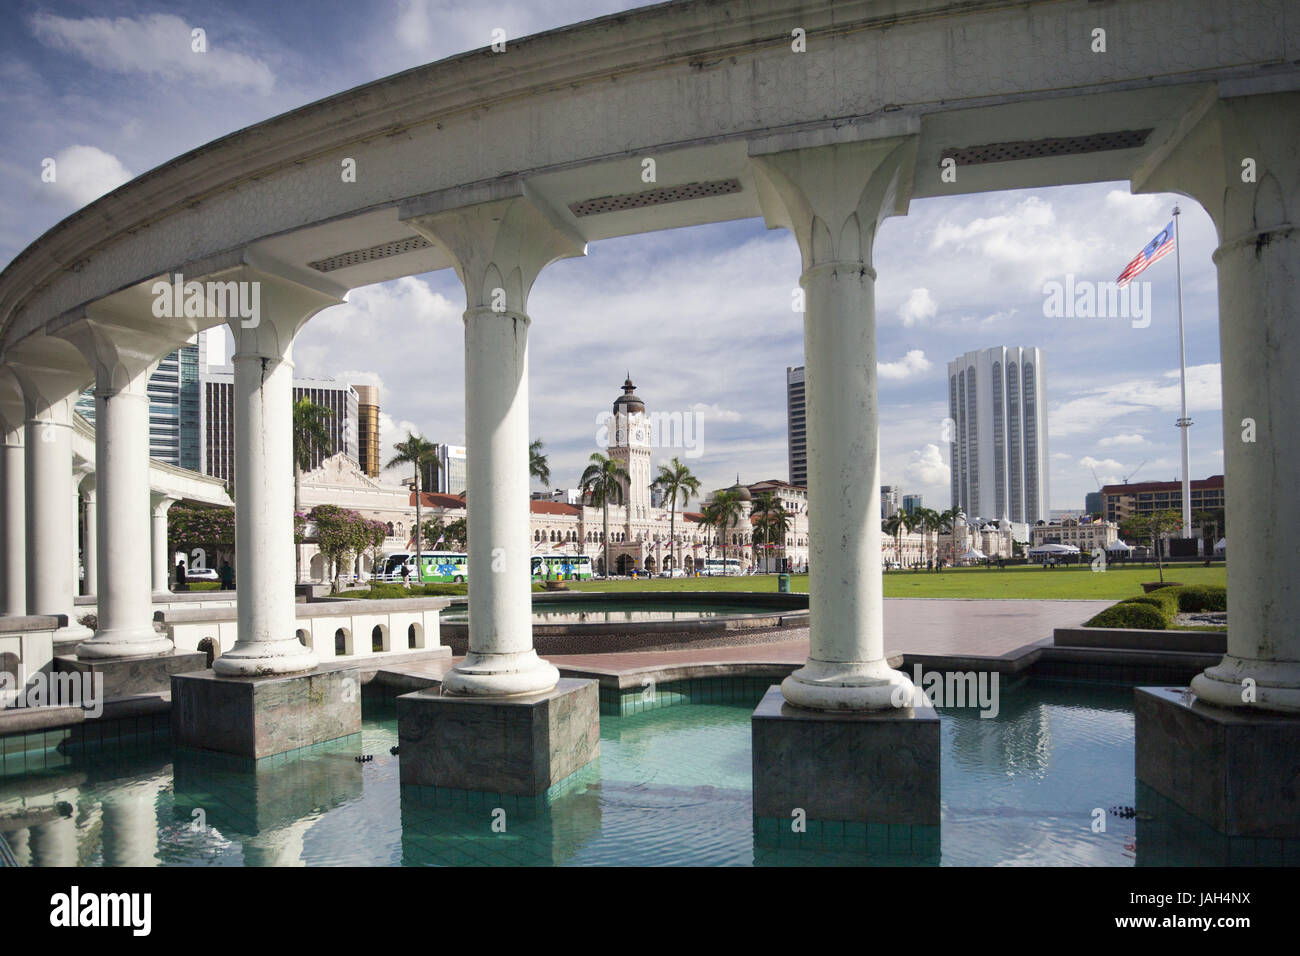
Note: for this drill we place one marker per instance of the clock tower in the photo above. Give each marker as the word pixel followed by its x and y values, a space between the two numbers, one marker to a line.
pixel 631 449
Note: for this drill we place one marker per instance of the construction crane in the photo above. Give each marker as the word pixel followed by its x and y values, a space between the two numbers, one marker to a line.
pixel 1135 471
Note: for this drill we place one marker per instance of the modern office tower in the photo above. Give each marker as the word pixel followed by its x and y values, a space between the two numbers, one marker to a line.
pixel 889 505
pixel 217 424
pixel 368 429
pixel 911 503
pixel 1094 503
pixel 173 391
pixel 796 425
pixel 997 399
pixel 450 475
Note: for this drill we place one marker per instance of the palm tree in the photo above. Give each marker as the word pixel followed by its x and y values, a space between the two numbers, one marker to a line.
pixel 675 481
pixel 727 512
pixel 927 520
pixel 311 434
pixel 538 466
pixel 416 452
pixel 891 526
pixel 773 521
pixel 603 482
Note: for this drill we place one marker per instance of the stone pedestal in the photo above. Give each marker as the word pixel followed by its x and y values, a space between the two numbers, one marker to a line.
pixel 879 768
pixel 129 676
pixel 258 717
pixel 1235 770
pixel 521 746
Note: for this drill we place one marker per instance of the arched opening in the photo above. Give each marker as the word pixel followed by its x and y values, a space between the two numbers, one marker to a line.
pixel 317 567
pixel 624 564
pixel 304 637
pixel 379 638
pixel 342 642
pixel 415 636
pixel 650 565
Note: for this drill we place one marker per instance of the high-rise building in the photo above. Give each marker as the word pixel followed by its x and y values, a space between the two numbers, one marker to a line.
pixel 1149 497
pixel 796 425
pixel 448 477
pixel 368 429
pixel 997 399
pixel 173 391
pixel 888 501
pixel 1094 503
pixel 217 425
pixel 911 503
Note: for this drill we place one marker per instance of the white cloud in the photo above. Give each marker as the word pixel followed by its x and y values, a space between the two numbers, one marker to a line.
pixel 713 413
pixel 918 307
pixel 158 44
pixel 1131 438
pixel 1155 393
pixel 926 467
pixel 391 432
pixel 913 363
pixel 84 173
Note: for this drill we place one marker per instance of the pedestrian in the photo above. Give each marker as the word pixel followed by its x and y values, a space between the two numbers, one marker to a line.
pixel 180 573
pixel 406 574
pixel 227 574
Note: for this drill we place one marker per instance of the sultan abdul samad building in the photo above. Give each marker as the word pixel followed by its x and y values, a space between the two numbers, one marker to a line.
pixel 638 530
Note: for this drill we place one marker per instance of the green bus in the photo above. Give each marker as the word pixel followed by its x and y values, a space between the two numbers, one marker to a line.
pixel 438 566
pixel 562 567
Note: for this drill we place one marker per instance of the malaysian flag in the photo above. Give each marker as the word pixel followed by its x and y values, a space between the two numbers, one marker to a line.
pixel 1157 248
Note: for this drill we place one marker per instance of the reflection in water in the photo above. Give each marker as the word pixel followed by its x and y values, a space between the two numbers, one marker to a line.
pixel 672 786
pixel 616 612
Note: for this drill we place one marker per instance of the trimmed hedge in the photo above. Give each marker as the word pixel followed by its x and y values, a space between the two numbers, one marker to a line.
pixel 1130 614
pixel 1194 599
pixel 1156 611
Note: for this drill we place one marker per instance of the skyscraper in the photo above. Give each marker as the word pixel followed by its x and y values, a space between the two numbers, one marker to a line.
pixel 450 474
pixel 997 399
pixel 911 503
pixel 796 425
pixel 173 391
pixel 368 429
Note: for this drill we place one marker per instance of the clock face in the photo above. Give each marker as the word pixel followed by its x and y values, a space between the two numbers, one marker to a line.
pixel 638 434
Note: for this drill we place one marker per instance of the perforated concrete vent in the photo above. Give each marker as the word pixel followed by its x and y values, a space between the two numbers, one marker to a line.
pixel 357 256
pixel 654 197
pixel 1059 146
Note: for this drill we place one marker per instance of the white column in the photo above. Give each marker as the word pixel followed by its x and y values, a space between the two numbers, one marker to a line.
pixel 832 198
pixel 48 442
pixel 499 248
pixel 1258 262
pixel 159 505
pixel 90 535
pixel 13 521
pixel 125 599
pixel 267 642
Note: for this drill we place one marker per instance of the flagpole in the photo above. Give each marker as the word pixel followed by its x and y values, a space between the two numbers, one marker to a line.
pixel 1183 423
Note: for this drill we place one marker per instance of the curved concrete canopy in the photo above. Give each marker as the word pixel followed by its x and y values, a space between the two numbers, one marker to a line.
pixel 568 116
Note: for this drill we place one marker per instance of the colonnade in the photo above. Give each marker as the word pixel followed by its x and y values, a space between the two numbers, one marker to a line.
pixel 832 197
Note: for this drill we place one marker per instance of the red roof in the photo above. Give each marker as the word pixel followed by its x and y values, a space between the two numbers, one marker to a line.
pixel 553 508
pixel 431 499
pixel 1214 481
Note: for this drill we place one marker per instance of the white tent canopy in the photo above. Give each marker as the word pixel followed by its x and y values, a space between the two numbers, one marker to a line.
pixel 1119 546
pixel 974 554
pixel 1054 549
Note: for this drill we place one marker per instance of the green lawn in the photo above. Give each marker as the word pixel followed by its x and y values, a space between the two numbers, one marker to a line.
pixel 1021 582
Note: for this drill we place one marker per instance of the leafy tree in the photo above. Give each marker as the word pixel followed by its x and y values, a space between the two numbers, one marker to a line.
pixel 772 521
pixel 727 511
pixel 416 452
pixel 675 481
pixel 1153 527
pixel 603 482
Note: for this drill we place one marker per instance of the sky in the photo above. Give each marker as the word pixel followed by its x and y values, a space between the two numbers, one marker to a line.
pixel 700 317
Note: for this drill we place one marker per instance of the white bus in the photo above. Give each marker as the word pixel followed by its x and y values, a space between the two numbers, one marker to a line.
pixel 444 566
pixel 717 566
pixel 562 567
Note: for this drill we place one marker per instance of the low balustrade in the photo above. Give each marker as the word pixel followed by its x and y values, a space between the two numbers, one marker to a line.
pixel 334 629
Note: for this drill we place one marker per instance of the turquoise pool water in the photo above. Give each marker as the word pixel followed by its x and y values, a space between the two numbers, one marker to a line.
pixel 616 612
pixel 672 786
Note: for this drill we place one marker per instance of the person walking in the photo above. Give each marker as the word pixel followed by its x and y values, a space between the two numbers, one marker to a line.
pixel 227 574
pixel 180 573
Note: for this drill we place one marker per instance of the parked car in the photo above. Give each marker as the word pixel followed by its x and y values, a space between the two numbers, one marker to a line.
pixel 202 574
pixel 672 573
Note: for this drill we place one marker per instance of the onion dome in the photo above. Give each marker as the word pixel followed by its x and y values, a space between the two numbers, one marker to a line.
pixel 741 491
pixel 629 403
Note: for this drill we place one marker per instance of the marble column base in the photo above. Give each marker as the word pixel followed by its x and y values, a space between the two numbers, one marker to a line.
pixel 258 717
pixel 1234 769
pixel 521 745
pixel 874 767
pixel 130 676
